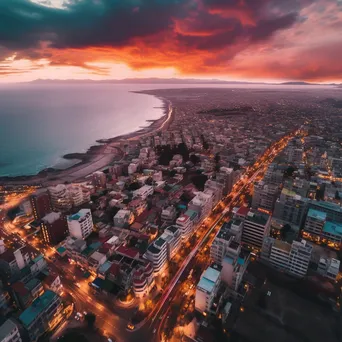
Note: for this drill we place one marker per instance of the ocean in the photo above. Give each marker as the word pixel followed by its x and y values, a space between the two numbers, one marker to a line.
pixel 40 123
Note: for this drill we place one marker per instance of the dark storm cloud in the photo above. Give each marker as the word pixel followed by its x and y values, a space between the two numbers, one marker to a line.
pixel 24 24
pixel 114 23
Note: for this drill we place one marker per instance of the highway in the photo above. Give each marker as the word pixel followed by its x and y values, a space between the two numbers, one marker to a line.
pixel 241 187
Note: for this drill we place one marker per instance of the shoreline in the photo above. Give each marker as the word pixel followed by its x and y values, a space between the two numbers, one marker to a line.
pixel 96 157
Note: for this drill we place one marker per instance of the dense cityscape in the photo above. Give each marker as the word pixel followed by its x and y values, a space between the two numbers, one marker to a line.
pixel 224 223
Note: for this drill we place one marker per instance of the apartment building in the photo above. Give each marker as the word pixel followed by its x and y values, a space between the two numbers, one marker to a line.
pixel 264 196
pixel 164 249
pixel 80 225
pixel 201 204
pixel 186 223
pixel 143 279
pixel 123 218
pixel 292 258
pixel 54 228
pixel 290 208
pixel 256 227
pixel 234 265
pixel 44 314
pixel 41 204
pixel 207 288
pixel 169 214
pixel 9 332
pixel 329 268
pixel 60 198
pixel 143 192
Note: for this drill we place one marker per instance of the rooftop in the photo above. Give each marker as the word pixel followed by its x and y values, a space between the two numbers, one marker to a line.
pixel 257 217
pixel 37 307
pixel 51 217
pixel 286 247
pixel 316 214
pixel 79 215
pixel 333 228
pixel 160 242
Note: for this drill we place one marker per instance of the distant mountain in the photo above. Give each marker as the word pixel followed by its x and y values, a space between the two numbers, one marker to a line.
pixel 167 81
pixel 147 81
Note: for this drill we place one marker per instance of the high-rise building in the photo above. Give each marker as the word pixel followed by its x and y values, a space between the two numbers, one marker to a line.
pixel 9 332
pixel 227 177
pixel 164 249
pixel 45 313
pixel 295 155
pixel 264 196
pixel 186 223
pixel 54 228
pixel 80 225
pixel 255 228
pixel 202 204
pixel 234 265
pixel 290 208
pixel 60 198
pixel 329 267
pixel 230 231
pixel 292 258
pixel 99 179
pixel 41 204
pixel 207 288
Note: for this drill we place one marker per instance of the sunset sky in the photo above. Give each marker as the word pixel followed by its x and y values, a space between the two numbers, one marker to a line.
pixel 253 40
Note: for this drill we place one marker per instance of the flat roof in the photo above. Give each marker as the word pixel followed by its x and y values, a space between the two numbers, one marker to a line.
pixel 160 242
pixel 316 214
pixel 257 217
pixel 37 307
pixel 333 228
pixel 286 247
pixel 206 284
pixel 211 274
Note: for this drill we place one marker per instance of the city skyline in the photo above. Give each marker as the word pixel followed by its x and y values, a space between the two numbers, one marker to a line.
pixel 268 40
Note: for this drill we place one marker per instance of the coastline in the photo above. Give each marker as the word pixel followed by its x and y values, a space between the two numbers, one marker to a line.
pixel 97 156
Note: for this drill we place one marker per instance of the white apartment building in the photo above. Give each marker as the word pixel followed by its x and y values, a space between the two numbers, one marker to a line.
pixel 9 332
pixel 123 218
pixel 234 265
pixel 329 268
pixel 255 228
pixel 186 223
pixel 207 288
pixel 63 197
pixel 80 225
pixel 217 189
pixel 143 279
pixel 169 214
pixel 60 198
pixel 172 236
pixel 264 196
pixel 293 258
pixel 221 243
pixel 290 208
pixel 202 204
pixel 315 221
pixel 143 192
pixel 157 253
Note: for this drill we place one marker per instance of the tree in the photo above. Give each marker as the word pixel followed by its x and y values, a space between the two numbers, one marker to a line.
pixel 194 159
pixel 90 319
pixel 199 181
pixel 286 229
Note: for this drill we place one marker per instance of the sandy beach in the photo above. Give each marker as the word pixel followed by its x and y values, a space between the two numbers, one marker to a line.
pixel 96 158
